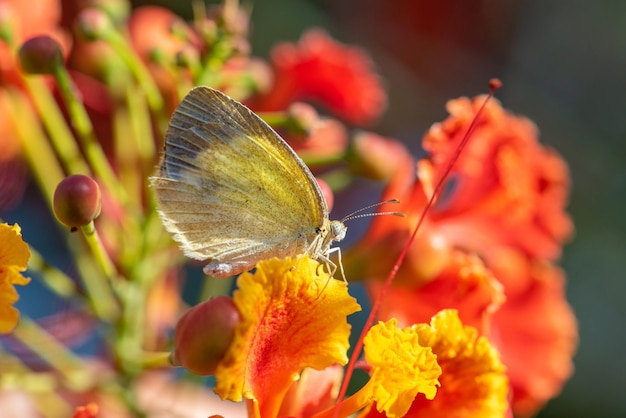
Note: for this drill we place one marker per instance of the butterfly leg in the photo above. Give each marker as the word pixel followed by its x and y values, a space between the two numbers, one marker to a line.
pixel 332 267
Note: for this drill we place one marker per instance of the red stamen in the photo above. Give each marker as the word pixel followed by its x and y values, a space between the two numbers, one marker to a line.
pixel 494 84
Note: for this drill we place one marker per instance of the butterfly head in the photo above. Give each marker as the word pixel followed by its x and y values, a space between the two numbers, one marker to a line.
pixel 337 231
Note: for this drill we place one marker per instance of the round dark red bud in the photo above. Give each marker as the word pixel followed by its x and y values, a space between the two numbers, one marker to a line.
pixel 77 200
pixel 204 334
pixel 40 55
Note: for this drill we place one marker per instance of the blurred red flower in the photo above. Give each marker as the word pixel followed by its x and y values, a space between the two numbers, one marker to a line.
pixel 152 31
pixel 321 70
pixel 22 20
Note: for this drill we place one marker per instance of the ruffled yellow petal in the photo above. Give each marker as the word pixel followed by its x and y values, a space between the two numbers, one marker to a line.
pixel 14 256
pixel 473 379
pixel 415 360
pixel 293 316
pixel 402 366
pixel 13 250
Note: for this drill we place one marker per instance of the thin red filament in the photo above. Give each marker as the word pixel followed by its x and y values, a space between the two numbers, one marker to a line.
pixel 494 84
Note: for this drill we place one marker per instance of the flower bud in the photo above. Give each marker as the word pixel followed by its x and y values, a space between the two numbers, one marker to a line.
pixel 7 18
pixel 117 10
pixel 40 55
pixel 204 334
pixel 430 255
pixel 77 201
pixel 375 157
pixel 93 24
pixel 302 117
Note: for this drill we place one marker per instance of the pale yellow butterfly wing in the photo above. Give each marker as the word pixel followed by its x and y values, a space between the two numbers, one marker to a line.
pixel 230 190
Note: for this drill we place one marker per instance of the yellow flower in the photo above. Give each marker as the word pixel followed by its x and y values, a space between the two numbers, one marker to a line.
pixel 402 366
pixel 293 317
pixel 473 379
pixel 14 256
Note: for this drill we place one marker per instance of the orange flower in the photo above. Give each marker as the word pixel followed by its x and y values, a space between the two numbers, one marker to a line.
pixel 473 380
pixel 314 392
pixel 408 367
pixel 535 331
pixel 504 202
pixel 322 70
pixel 14 256
pixel 87 411
pixel 466 284
pixel 511 190
pixel 293 320
pixel 293 316
pixel 376 252
pixel 505 190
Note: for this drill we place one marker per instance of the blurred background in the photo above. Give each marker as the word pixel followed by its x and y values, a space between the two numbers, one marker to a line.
pixel 561 63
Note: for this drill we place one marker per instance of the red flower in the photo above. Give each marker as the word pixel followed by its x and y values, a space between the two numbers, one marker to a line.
pixel 88 411
pixel 536 333
pixel 510 188
pixel 505 202
pixel 321 70
pixel 465 284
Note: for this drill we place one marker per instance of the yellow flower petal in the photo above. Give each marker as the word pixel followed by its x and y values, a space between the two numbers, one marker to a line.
pixel 293 316
pixel 14 256
pixel 402 366
pixel 473 379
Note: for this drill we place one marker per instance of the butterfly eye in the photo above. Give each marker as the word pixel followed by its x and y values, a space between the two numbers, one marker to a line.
pixel 337 230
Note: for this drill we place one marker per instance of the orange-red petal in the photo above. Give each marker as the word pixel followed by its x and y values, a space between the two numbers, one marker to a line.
pixel 293 316
pixel 315 391
pixel 466 285
pixel 322 70
pixel 536 332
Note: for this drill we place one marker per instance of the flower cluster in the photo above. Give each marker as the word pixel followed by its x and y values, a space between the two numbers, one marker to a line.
pixel 488 246
pixel 475 323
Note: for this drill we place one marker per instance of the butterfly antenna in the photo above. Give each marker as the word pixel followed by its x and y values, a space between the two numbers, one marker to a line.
pixel 357 213
pixel 494 84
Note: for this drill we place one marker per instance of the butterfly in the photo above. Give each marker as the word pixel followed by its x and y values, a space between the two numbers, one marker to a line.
pixel 233 192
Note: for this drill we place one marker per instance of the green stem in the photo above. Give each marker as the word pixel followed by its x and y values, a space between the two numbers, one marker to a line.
pixel 98 251
pixel 60 134
pixel 141 126
pixel 155 360
pixel 131 327
pixel 100 283
pixel 141 74
pixel 84 129
pixel 53 278
pixel 313 160
pixel 39 154
pixel 338 179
